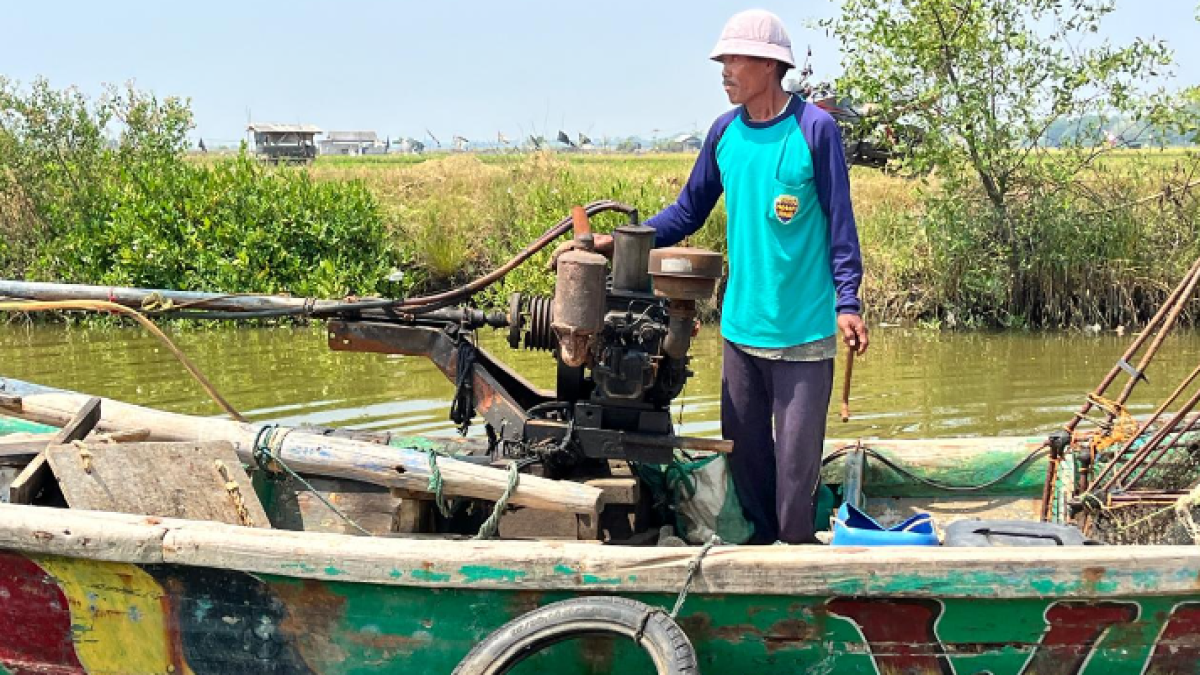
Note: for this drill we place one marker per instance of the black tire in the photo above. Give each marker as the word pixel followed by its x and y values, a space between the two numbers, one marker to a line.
pixel 666 643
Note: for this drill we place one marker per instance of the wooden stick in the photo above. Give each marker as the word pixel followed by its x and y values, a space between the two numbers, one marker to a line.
pixel 309 453
pixel 846 385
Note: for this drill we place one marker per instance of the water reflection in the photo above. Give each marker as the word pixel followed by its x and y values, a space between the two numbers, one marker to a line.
pixel 912 384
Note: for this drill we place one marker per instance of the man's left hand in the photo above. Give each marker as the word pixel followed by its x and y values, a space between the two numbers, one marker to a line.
pixel 854 332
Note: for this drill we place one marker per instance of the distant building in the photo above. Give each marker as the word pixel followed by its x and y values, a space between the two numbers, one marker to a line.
pixel 408 146
pixel 685 143
pixel 351 143
pixel 284 142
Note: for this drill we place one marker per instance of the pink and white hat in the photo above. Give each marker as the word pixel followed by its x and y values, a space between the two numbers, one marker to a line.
pixel 755 32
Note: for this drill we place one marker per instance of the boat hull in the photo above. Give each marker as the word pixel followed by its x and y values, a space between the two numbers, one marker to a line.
pixel 91 592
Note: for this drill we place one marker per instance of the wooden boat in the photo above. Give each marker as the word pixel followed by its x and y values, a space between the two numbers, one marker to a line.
pixel 104 592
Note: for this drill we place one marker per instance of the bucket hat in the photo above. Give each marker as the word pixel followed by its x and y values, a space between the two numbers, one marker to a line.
pixel 755 32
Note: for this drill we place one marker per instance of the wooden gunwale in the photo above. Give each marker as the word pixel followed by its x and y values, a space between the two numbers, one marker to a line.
pixel 945 572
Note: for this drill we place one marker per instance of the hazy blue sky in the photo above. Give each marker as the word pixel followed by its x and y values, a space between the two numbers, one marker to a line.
pixel 471 67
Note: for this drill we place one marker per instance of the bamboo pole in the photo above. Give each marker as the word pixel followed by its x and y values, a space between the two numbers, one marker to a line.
pixel 305 452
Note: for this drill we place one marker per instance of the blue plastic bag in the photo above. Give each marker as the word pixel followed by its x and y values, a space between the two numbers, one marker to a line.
pixel 855 528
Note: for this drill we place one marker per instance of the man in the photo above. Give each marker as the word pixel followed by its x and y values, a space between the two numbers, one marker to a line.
pixel 794 272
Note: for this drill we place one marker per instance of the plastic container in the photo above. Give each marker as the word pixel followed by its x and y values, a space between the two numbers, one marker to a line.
pixel 855 528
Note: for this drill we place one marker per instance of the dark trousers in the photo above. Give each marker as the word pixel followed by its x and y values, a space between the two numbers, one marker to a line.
pixel 775 412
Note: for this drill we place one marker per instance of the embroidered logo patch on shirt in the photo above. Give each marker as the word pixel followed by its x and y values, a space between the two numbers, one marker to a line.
pixel 786 207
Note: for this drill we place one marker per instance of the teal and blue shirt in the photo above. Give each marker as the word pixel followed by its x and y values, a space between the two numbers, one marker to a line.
pixel 794 258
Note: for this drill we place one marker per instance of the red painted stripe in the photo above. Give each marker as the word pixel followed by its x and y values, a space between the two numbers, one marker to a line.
pixel 1178 649
pixel 1074 627
pixel 900 632
pixel 37 638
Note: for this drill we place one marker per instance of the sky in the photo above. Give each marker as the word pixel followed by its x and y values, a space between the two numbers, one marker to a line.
pixel 471 68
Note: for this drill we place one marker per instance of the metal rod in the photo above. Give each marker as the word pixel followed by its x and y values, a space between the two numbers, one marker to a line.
pixel 1162 452
pixel 1146 449
pixel 1146 425
pixel 1152 350
pixel 846 385
pixel 1138 342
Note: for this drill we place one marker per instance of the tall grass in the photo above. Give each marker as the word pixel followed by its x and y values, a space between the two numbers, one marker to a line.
pixel 1088 256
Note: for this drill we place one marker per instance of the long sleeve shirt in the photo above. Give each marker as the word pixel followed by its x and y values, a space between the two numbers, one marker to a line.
pixel 794 256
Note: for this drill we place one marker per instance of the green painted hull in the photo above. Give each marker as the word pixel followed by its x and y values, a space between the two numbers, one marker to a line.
pixel 73 615
pixel 82 592
pixel 12 425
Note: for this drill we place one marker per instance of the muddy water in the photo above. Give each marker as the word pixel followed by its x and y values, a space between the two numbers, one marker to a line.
pixel 912 384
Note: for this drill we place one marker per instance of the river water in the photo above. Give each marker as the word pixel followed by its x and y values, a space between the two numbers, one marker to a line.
pixel 912 383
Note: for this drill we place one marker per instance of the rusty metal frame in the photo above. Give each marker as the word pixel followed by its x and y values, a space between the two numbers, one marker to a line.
pixel 503 397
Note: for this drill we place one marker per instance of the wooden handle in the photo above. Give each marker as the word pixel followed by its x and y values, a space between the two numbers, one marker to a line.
pixel 846 385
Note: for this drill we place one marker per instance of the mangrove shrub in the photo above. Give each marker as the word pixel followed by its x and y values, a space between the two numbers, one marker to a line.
pixel 101 191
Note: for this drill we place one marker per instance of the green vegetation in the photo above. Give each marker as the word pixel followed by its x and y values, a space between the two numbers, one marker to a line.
pixel 101 192
pixel 1025 234
pixel 1106 255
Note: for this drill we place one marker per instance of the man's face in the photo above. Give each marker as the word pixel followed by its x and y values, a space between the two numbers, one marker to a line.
pixel 745 77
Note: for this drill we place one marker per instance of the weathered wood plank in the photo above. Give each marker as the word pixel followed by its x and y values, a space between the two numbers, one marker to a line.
pixel 26 486
pixel 1060 572
pixel 794 570
pixel 81 423
pixel 617 489
pixel 30 482
pixel 371 506
pixel 82 534
pixel 313 453
pixel 174 480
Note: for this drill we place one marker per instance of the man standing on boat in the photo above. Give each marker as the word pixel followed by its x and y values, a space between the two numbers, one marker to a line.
pixel 794 272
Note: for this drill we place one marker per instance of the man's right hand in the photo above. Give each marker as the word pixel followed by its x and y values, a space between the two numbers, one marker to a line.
pixel 602 243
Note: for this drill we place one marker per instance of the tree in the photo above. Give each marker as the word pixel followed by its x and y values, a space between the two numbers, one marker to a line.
pixel 986 79
pixel 986 82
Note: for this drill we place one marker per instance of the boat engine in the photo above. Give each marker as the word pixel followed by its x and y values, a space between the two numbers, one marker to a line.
pixel 632 330
pixel 620 336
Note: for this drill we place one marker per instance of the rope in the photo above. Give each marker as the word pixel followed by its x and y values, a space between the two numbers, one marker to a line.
pixel 235 494
pixel 492 524
pixel 264 456
pixel 435 482
pixel 105 306
pixel 155 302
pixel 462 409
pixel 1124 426
pixel 692 568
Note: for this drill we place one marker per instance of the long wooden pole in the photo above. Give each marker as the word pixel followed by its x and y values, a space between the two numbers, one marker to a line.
pixel 305 452
pixel 846 385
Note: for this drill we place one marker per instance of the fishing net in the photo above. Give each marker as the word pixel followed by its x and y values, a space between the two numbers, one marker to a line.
pixel 1162 508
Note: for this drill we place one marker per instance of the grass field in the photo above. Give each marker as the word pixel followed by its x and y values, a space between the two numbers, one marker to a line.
pixel 1102 250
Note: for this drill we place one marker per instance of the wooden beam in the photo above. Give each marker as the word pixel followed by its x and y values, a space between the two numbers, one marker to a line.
pixel 318 454
pixel 28 484
pixel 85 418
pixel 816 571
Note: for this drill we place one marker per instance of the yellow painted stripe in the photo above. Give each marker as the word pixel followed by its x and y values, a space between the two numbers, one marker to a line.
pixel 117 616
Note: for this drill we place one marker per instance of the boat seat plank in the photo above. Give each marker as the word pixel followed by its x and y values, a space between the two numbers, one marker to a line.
pixel 175 480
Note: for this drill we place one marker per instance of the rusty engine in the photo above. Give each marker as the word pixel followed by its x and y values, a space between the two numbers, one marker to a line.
pixel 620 337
